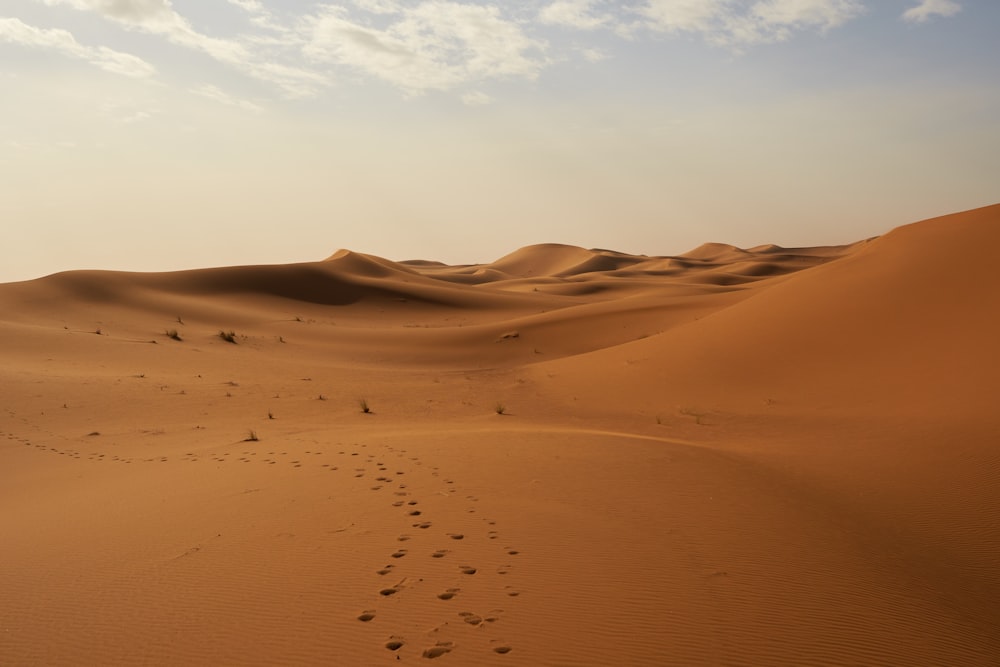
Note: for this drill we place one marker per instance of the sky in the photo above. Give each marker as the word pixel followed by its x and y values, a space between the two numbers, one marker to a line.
pixel 153 135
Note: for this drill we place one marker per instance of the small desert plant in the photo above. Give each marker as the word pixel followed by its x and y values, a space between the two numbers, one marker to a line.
pixel 172 333
pixel 363 404
pixel 228 336
pixel 500 408
pixel 251 436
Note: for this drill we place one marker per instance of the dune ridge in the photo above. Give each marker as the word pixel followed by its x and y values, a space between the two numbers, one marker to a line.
pixel 567 456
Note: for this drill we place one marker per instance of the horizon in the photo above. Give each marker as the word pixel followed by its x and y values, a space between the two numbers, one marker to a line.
pixel 161 136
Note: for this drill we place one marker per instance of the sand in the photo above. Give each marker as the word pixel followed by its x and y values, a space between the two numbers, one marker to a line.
pixel 764 456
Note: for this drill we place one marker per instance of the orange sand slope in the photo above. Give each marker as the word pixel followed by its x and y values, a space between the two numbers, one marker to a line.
pixel 769 456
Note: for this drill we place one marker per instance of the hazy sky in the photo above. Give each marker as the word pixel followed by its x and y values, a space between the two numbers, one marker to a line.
pixel 165 134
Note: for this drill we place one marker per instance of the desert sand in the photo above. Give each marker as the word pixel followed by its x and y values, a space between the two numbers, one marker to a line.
pixel 763 456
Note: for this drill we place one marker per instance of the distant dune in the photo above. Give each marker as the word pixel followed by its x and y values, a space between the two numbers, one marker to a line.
pixel 569 456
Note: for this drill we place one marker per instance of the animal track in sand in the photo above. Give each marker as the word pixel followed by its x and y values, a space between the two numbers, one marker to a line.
pixel 403 538
pixel 395 643
pixel 422 524
pixel 399 553
pixel 440 553
pixel 456 536
pixel 367 615
pixel 467 569
pixel 398 503
pixel 449 594
pixel 439 649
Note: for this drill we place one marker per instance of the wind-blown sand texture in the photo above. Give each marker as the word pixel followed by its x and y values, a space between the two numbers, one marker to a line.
pixel 768 456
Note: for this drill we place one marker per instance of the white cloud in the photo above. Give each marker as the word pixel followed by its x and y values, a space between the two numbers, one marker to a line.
pixel 379 6
pixel 154 15
pixel 159 17
pixel 434 45
pixel 928 8
pixel 252 6
pixel 15 31
pixel 476 99
pixel 684 15
pixel 573 14
pixel 594 55
pixel 740 22
pixel 218 95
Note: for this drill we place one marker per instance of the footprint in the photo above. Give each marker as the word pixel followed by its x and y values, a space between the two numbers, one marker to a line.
pixel 422 524
pixel 440 553
pixel 439 649
pixel 456 536
pixel 384 571
pixel 398 503
pixel 465 569
pixel 449 594
pixel 402 538
pixel 386 592
pixel 502 648
pixel 470 618
pixel 399 553
pixel 396 643
pixel 503 569
pixel 366 615
pixel 415 513
pixel 513 552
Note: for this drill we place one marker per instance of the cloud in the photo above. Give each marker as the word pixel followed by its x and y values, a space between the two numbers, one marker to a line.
pixel 218 95
pixel 476 99
pixel 15 31
pixel 378 6
pixel 158 17
pixel 928 8
pixel 434 45
pixel 738 23
pixel 573 14
pixel 252 6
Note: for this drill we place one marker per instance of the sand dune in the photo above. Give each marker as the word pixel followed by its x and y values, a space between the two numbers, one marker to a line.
pixel 761 456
